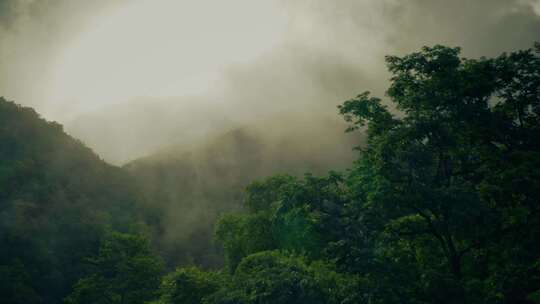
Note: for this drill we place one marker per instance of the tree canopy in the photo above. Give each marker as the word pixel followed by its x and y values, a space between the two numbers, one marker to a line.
pixel 442 204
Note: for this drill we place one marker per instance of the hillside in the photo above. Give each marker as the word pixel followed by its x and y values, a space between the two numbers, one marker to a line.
pixel 126 131
pixel 57 198
pixel 194 184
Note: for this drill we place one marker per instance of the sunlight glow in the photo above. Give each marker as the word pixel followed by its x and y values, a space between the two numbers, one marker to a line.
pixel 174 48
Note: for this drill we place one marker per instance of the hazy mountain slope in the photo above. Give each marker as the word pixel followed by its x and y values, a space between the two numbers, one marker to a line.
pixel 56 199
pixel 194 184
pixel 140 127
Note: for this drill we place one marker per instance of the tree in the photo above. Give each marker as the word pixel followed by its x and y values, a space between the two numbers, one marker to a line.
pixel 448 182
pixel 189 285
pixel 276 277
pixel 287 213
pixel 124 271
pixel 441 206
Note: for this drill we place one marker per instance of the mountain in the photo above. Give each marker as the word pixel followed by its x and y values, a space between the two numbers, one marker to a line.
pixel 194 184
pixel 57 198
pixel 126 131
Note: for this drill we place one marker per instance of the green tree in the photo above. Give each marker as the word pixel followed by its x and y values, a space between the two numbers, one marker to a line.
pixel 287 213
pixel 124 271
pixel 446 188
pixel 274 277
pixel 242 235
pixel 189 285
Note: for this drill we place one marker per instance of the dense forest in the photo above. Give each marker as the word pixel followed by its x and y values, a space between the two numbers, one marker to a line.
pixel 440 206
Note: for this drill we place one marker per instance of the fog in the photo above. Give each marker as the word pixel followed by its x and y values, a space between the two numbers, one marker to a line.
pixel 133 77
pixel 196 99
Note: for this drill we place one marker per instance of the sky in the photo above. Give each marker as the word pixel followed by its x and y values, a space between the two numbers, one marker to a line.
pixel 83 63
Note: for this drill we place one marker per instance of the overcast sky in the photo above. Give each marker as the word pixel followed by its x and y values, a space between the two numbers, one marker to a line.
pixel 67 56
pixel 71 57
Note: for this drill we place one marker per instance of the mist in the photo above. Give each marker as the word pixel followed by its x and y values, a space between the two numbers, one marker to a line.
pixel 198 99
pixel 135 77
pixel 203 139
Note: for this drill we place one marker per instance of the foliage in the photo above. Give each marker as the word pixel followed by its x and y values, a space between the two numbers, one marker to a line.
pixel 286 213
pixel 189 285
pixel 449 185
pixel 442 205
pixel 124 271
pixel 274 277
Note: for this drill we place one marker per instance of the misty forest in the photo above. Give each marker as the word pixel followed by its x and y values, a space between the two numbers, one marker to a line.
pixel 370 151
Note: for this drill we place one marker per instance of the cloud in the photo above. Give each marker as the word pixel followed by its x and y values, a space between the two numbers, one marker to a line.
pixel 33 35
pixel 328 52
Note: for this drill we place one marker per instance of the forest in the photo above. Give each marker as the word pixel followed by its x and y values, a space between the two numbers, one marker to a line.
pixel 441 205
